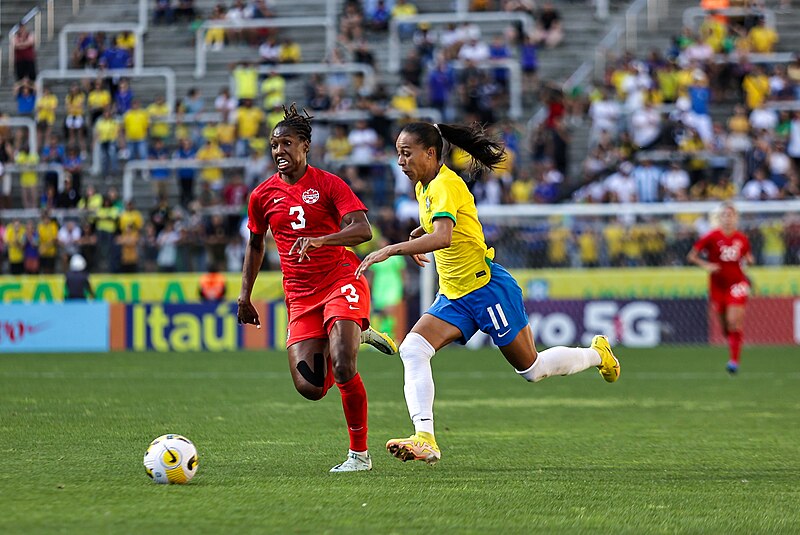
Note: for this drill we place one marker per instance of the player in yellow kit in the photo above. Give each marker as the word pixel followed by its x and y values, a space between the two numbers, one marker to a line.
pixel 475 292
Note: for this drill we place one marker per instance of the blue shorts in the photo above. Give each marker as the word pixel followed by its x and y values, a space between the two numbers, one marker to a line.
pixel 496 309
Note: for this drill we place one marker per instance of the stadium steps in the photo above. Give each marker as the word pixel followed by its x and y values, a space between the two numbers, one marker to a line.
pixel 787 24
pixel 660 39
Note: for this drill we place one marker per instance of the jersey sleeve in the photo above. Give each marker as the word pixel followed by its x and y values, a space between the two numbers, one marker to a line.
pixel 746 250
pixel 343 198
pixel 444 200
pixel 701 244
pixel 256 216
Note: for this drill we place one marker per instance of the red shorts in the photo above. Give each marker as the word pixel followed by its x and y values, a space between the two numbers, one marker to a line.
pixel 312 316
pixel 736 294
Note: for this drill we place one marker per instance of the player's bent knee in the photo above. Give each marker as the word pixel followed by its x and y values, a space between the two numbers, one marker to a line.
pixel 416 347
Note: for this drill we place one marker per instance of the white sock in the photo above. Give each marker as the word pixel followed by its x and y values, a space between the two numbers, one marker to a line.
pixel 561 360
pixel 416 354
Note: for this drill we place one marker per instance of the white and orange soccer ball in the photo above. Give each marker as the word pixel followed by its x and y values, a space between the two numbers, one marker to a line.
pixel 171 459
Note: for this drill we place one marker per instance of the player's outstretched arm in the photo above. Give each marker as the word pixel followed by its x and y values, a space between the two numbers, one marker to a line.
pixel 440 238
pixel 253 256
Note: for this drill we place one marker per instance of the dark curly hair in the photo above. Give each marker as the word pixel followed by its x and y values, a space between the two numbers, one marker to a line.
pixel 301 124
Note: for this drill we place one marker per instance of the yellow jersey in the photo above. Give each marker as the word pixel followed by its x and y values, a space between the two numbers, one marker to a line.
pixel 99 98
pixel 157 113
pixel 46 109
pixel 48 238
pixel 136 123
pixel 463 267
pixel 15 243
pixel 75 104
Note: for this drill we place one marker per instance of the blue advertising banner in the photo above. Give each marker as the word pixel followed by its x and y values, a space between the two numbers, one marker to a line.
pixel 59 327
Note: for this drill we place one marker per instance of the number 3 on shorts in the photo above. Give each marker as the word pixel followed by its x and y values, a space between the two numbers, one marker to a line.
pixel 353 296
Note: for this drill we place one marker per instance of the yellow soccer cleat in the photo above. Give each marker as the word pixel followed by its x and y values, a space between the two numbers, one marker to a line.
pixel 420 446
pixel 380 341
pixel 609 365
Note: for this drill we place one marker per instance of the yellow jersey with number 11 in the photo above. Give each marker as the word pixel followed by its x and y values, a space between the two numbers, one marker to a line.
pixel 463 266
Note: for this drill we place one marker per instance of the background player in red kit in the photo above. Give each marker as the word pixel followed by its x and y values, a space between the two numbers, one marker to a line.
pixel 725 250
pixel 313 216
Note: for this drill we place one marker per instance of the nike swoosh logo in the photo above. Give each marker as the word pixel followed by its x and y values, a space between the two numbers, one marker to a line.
pixel 505 333
pixel 353 308
pixel 279 199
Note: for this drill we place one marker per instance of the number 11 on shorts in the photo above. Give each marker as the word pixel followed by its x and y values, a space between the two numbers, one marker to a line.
pixel 500 313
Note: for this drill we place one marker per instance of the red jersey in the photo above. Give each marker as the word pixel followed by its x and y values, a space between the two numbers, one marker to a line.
pixel 312 207
pixel 727 252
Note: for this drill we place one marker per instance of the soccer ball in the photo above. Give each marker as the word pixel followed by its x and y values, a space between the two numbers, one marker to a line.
pixel 171 459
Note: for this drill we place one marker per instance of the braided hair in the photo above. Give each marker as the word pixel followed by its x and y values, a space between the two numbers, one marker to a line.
pixel 301 124
pixel 485 150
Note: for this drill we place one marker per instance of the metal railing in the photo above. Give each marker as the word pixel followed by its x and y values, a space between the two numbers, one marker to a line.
pixel 131 167
pixel 431 114
pixel 136 28
pixel 146 72
pixel 448 18
pixel 12 169
pixel 626 34
pixel 692 15
pixel 23 122
pixel 327 22
pixel 315 68
pixel 514 83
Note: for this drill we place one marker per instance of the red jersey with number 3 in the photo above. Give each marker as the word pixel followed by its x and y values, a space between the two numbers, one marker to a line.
pixel 312 207
pixel 727 251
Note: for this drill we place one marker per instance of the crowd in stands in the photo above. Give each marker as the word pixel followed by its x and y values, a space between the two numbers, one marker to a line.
pixel 652 134
pixel 673 124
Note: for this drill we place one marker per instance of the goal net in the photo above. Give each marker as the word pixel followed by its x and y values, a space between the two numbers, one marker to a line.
pixel 621 270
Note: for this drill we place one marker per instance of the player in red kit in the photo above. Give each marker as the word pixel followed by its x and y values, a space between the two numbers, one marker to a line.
pixel 726 249
pixel 313 216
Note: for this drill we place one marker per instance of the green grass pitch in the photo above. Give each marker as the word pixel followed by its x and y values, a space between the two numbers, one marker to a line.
pixel 675 446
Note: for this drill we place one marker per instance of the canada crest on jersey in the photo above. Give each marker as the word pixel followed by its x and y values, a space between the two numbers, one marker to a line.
pixel 310 196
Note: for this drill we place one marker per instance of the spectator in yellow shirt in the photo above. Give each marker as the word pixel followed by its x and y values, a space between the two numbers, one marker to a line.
pixel 75 102
pixel 211 175
pixel 337 146
pixel 136 123
pixel 130 216
pixel 226 137
pixel 29 177
pixel 245 81
pixel 756 87
pixel 46 106
pixel 273 91
pixel 215 37
pixel 401 10
pixel 14 235
pixel 249 120
pixel 158 112
pixel 98 100
pixel 126 40
pixel 290 52
pixel 106 134
pixel 762 38
pixel 48 243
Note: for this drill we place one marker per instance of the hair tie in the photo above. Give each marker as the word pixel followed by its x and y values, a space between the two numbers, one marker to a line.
pixel 445 145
